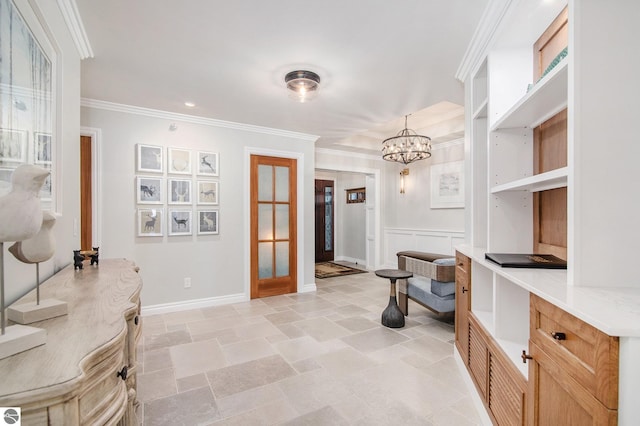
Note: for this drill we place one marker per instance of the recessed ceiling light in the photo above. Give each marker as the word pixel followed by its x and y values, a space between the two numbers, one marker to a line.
pixel 189 104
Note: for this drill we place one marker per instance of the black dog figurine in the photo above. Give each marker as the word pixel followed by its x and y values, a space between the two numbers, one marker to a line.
pixel 94 256
pixel 77 260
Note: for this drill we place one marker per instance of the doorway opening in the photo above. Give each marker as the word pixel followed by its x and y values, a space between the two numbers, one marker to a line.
pixel 86 194
pixel 324 220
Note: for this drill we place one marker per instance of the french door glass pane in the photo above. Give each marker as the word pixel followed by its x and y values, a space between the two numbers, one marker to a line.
pixel 282 221
pixel 282 183
pixel 328 217
pixel 265 183
pixel 265 260
pixel 265 221
pixel 282 259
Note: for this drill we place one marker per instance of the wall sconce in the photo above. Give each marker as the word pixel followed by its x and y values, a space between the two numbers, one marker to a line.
pixel 403 173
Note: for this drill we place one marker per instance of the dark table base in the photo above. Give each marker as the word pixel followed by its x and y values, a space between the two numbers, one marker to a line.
pixel 392 316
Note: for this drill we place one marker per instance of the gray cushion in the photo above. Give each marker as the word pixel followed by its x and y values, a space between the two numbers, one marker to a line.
pixel 449 261
pixel 443 289
pixel 419 289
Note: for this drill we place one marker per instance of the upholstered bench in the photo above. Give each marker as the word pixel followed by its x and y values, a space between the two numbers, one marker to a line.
pixel 433 282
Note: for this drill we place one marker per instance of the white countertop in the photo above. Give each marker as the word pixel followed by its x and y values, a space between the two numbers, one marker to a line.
pixel 613 310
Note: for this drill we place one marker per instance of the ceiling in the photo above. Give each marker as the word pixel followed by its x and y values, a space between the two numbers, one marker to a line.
pixel 378 61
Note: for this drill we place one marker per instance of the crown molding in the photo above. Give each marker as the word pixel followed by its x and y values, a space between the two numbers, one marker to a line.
pixel 482 37
pixel 72 18
pixel 448 144
pixel 148 112
pixel 350 154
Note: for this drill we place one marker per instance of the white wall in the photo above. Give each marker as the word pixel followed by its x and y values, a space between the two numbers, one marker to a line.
pixel 413 208
pixel 21 278
pixel 351 227
pixel 216 264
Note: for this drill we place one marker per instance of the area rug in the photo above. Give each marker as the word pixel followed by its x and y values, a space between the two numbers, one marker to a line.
pixel 330 269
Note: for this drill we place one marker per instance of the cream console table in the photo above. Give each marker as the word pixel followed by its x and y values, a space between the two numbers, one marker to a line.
pixel 86 372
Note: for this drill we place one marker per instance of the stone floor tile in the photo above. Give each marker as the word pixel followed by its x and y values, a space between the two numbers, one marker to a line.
pixel 238 353
pixel 237 378
pixel 193 407
pixel 284 317
pixel 155 360
pixel 166 340
pixel 157 384
pixel 249 400
pixel 324 416
pixel 192 382
pixel 197 357
pixel 322 329
pixel 374 339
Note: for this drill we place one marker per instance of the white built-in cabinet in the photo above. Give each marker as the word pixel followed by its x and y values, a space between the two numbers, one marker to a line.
pixel 596 84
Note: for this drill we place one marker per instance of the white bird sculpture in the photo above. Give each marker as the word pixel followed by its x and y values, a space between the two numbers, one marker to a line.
pixel 40 247
pixel 20 211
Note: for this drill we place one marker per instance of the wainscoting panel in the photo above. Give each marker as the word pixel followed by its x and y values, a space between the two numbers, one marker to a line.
pixel 430 241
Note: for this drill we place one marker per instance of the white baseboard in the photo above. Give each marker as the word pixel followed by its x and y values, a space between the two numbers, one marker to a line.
pixel 165 308
pixel 360 262
pixel 306 288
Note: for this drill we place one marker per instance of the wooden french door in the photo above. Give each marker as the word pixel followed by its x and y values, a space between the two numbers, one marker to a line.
pixel 325 196
pixel 86 226
pixel 273 226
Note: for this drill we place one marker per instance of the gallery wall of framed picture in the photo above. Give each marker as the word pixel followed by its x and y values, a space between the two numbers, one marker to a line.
pixel 177 191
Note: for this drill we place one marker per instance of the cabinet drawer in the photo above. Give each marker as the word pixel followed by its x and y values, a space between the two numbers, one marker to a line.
pixel 588 355
pixel 463 263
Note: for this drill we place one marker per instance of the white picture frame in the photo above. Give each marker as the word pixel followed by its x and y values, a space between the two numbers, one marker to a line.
pixel 150 222
pixel 208 222
pixel 208 192
pixel 150 158
pixel 447 185
pixel 149 190
pixel 42 148
pixel 179 191
pixel 180 222
pixel 46 189
pixel 13 146
pixel 179 161
pixel 208 163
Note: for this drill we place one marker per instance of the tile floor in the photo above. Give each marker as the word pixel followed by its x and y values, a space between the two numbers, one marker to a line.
pixel 302 359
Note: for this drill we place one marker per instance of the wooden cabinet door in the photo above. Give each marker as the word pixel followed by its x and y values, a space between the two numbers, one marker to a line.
pixel 463 305
pixel 507 391
pixel 555 398
pixel 478 360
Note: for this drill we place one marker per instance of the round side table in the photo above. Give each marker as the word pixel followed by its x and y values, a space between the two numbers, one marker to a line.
pixel 392 316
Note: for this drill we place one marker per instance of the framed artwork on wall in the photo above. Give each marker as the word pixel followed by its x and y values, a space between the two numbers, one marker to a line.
pixel 180 222
pixel 179 161
pixel 42 148
pixel 207 163
pixel 207 222
pixel 149 190
pixel 13 146
pixel 150 222
pixel 356 195
pixel 179 191
pixel 447 185
pixel 207 192
pixel 28 95
pixel 150 158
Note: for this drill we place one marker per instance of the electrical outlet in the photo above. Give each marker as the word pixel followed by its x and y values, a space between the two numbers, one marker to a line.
pixel 187 283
